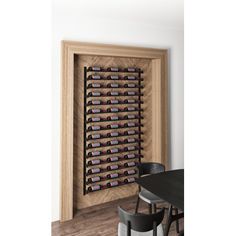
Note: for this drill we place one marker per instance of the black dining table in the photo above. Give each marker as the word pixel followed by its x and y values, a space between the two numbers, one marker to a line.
pixel 169 186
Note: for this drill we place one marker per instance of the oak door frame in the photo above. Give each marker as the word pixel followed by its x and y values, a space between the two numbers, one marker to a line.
pixel 159 108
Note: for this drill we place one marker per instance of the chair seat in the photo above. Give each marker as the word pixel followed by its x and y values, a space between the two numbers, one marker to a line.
pixel 122 231
pixel 149 197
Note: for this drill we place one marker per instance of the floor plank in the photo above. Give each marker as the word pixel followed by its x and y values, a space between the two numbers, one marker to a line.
pixel 102 220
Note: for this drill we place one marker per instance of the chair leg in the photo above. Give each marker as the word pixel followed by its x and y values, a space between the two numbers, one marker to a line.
pixel 155 208
pixel 177 221
pixel 150 208
pixel 169 221
pixel 137 205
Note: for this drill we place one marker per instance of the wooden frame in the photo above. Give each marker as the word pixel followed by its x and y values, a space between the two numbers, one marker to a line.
pixel 159 108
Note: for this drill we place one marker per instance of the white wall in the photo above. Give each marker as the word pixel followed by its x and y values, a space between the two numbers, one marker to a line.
pixel 72 22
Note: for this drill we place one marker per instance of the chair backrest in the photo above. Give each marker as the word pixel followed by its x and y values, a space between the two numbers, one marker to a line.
pixel 147 168
pixel 141 222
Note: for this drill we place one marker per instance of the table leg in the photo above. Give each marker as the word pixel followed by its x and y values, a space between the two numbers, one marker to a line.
pixel 137 205
pixel 171 218
pixel 177 221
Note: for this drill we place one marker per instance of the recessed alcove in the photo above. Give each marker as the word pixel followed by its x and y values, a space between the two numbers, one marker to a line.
pixel 76 56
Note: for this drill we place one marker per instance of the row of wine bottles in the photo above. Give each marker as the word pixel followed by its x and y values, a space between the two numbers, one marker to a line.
pixel 114 175
pixel 97 170
pixel 114 126
pixel 113 159
pixel 113 69
pixel 113 134
pixel 113 150
pixel 114 93
pixel 111 184
pixel 114 142
pixel 114 78
pixel 114 101
pixel 113 109
pixel 114 85
pixel 113 118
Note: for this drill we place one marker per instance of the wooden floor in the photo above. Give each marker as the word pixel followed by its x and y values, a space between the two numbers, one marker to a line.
pixel 101 220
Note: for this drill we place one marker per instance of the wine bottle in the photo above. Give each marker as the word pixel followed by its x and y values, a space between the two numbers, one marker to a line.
pixel 130 117
pixel 113 142
pixel 94 162
pixel 95 77
pixel 130 101
pixel 130 77
pixel 113 93
pixel 129 156
pixel 129 164
pixel 112 109
pixel 113 175
pixel 93 145
pixel 94 119
pixel 94 68
pixel 113 85
pixel 94 153
pixel 95 102
pixel 129 108
pixel 130 140
pixel 113 69
pixel 94 94
pixel 113 126
pixel 94 111
pixel 129 172
pixel 94 188
pixel 112 101
pixel 113 77
pixel 130 85
pixel 131 69
pixel 94 136
pixel 130 148
pixel 113 118
pixel 94 170
pixel 113 167
pixel 130 93
pixel 112 159
pixel 130 132
pixel 112 184
pixel 113 134
pixel 94 85
pixel 94 127
pixel 130 124
pixel 129 180
pixel 114 150
pixel 94 179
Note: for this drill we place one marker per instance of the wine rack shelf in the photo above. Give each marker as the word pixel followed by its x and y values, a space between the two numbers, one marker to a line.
pixel 98 90
pixel 114 143
pixel 113 159
pixel 119 103
pixel 112 120
pixel 110 177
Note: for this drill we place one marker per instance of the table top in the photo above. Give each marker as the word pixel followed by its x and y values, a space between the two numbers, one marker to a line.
pixel 168 185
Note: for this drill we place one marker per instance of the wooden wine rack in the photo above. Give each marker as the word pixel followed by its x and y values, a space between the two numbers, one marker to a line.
pixel 117 93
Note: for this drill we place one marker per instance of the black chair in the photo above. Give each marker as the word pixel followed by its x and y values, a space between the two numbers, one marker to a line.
pixel 148 168
pixel 135 223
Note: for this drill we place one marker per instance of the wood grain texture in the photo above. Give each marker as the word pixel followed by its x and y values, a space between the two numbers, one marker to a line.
pixel 82 48
pixel 83 201
pixel 67 96
pixel 103 220
pixel 164 110
pixel 156 112
pixel 70 50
